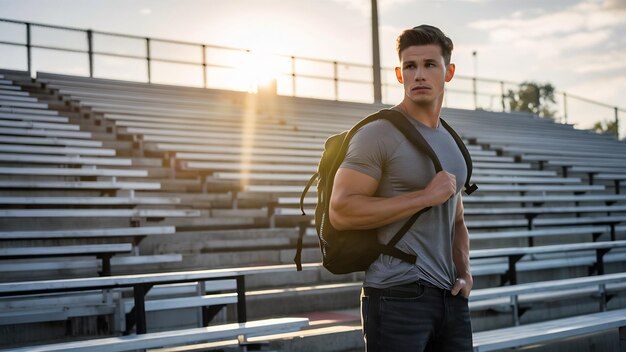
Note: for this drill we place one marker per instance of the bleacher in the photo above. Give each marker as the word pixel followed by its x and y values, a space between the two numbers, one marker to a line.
pixel 196 192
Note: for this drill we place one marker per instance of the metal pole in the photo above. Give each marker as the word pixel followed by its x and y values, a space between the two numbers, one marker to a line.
pixel 29 54
pixel 475 56
pixel 475 93
pixel 204 78
pixel 90 51
pixel 336 78
pixel 139 294
pixel 242 315
pixel 293 76
pixel 565 106
pixel 502 95
pixel 616 122
pixel 474 80
pixel 148 59
pixel 378 96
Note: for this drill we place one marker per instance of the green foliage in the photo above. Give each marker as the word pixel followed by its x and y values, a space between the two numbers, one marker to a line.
pixel 533 98
pixel 606 126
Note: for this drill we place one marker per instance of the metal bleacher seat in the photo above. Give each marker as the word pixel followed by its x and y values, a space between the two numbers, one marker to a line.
pixel 51 170
pixel 199 133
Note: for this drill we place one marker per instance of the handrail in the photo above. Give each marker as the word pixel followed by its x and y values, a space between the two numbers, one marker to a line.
pixel 292 74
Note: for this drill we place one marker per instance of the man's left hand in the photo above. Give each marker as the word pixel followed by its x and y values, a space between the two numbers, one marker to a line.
pixel 462 285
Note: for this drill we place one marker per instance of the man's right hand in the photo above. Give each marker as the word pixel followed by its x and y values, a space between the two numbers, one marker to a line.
pixel 441 188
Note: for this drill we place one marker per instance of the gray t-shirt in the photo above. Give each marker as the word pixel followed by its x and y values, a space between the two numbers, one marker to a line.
pixel 379 150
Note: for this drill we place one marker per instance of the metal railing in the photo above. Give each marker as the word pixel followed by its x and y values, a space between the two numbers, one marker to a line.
pixel 211 66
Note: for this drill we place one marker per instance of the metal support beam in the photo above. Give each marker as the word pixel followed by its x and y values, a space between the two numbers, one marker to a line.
pixel 616 122
pixel 139 293
pixel 148 60
pixel 242 315
pixel 29 51
pixel 378 96
pixel 90 51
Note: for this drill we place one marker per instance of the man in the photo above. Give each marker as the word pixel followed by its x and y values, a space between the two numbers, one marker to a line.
pixel 383 180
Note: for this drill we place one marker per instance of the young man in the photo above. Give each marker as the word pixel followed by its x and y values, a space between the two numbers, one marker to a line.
pixel 383 180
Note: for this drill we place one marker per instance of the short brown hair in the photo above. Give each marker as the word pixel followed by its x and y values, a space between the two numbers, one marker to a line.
pixel 424 35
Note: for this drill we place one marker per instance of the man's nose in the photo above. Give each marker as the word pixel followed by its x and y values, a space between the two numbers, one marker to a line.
pixel 419 74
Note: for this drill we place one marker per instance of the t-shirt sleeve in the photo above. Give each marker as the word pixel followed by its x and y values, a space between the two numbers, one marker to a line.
pixel 367 151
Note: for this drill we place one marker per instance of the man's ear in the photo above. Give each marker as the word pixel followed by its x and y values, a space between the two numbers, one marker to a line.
pixel 399 75
pixel 450 72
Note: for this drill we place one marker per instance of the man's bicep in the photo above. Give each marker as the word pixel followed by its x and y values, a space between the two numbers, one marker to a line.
pixel 347 196
pixel 350 182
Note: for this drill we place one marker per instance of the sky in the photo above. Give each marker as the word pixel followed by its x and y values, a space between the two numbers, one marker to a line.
pixel 579 46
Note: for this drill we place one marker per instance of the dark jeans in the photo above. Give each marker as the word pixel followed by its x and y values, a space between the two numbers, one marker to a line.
pixel 415 317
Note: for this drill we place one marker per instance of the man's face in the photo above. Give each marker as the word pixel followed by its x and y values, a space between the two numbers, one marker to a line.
pixel 423 72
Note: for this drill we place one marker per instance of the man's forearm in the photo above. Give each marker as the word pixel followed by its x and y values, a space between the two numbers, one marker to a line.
pixel 460 250
pixel 364 212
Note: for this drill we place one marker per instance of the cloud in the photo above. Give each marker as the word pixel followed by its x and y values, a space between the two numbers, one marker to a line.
pixel 584 38
pixel 587 15
pixel 365 6
pixel 597 62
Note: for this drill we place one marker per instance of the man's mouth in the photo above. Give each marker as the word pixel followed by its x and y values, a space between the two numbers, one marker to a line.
pixel 419 89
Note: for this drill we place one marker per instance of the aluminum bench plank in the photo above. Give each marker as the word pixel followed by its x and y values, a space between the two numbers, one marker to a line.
pixel 87 249
pixel 86 233
pixel 6 148
pixel 43 132
pixel 33 117
pixel 81 185
pixel 174 337
pixel 558 329
pixel 50 141
pixel 103 213
pixel 56 171
pixel 90 200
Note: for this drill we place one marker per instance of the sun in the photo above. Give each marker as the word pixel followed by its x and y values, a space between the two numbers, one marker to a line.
pixel 257 69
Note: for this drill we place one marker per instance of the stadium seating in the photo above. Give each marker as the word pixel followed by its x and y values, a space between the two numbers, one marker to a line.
pixel 213 178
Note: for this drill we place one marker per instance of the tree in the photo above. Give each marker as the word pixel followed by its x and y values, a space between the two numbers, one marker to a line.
pixel 533 98
pixel 606 126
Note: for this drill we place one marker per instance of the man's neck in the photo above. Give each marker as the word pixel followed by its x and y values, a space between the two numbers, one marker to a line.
pixel 426 114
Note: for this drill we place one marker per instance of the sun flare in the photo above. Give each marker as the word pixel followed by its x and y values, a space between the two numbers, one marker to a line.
pixel 257 69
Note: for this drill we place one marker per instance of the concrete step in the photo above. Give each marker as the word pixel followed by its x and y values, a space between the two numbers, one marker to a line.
pixel 153 162
pixel 118 145
pixel 159 172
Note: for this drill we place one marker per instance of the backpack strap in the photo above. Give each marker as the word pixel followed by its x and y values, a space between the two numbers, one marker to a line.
pixel 306 190
pixel 415 137
pixel 469 188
